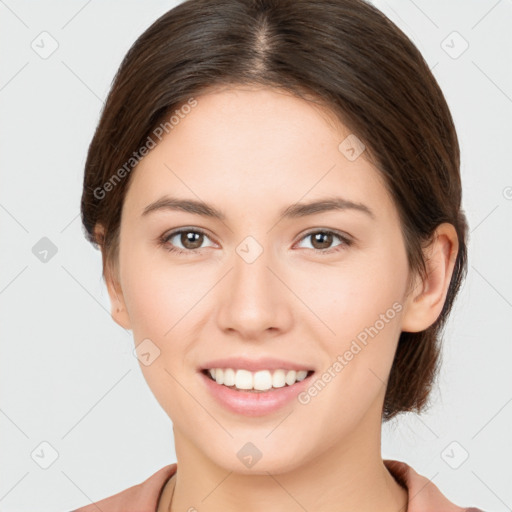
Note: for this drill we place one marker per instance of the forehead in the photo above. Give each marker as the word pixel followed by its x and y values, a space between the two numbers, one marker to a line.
pixel 245 116
pixel 253 148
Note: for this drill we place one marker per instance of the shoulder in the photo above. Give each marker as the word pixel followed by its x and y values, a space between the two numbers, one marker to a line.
pixel 424 496
pixel 142 497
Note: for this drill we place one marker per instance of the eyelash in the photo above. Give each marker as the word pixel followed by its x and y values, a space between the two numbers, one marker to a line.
pixel 164 241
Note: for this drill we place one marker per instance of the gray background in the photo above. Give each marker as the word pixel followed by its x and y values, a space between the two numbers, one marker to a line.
pixel 70 387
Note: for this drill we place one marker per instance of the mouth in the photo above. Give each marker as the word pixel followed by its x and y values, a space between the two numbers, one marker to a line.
pixel 263 381
pixel 258 393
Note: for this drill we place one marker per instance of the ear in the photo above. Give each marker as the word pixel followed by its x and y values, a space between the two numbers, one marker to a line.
pixel 425 303
pixel 111 274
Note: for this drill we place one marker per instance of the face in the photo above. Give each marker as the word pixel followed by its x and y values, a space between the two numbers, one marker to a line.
pixel 317 289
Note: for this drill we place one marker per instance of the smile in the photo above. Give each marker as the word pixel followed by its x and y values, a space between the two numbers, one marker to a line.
pixel 248 401
pixel 259 381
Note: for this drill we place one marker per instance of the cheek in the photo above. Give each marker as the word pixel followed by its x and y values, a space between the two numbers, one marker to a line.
pixel 360 302
pixel 354 294
pixel 158 298
pixel 158 293
pixel 166 305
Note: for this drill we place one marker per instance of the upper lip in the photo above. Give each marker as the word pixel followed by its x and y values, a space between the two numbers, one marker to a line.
pixel 264 363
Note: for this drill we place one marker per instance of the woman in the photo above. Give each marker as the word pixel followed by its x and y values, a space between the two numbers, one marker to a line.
pixel 275 189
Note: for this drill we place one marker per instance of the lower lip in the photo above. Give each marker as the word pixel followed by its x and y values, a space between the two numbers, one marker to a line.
pixel 250 403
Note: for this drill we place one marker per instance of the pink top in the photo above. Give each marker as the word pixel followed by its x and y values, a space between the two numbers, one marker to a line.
pixel 424 496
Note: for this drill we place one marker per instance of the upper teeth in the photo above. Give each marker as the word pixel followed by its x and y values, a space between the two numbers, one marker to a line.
pixel 261 380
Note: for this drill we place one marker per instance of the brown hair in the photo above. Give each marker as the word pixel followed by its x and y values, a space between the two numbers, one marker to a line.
pixel 344 54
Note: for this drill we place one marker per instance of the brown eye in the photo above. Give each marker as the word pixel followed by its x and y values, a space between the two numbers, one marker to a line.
pixel 322 240
pixel 190 240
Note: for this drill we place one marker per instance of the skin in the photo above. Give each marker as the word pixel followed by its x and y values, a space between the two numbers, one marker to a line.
pixel 251 152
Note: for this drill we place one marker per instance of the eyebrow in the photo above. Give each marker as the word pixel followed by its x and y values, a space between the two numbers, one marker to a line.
pixel 294 211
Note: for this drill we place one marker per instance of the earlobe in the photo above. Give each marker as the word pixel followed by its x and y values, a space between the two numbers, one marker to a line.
pixel 425 303
pixel 118 307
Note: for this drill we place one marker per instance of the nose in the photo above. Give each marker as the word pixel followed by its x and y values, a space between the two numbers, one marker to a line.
pixel 253 300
